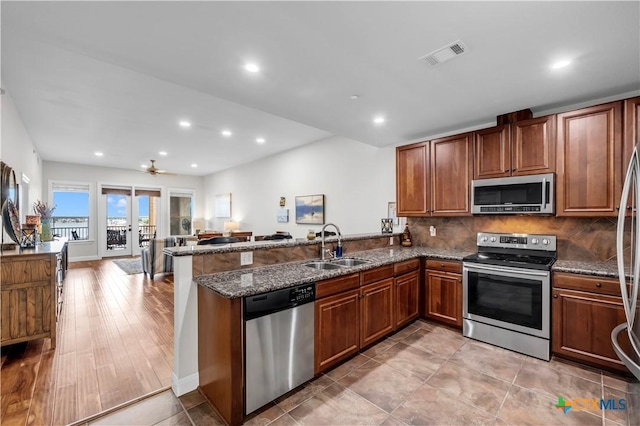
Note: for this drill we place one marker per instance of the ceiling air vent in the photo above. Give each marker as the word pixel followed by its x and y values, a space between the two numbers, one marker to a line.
pixel 444 54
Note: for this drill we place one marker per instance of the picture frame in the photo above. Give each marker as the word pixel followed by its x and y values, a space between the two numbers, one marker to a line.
pixel 310 209
pixel 392 213
pixel 223 205
pixel 283 215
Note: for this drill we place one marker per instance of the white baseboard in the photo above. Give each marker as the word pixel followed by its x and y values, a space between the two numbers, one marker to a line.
pixel 184 385
pixel 82 258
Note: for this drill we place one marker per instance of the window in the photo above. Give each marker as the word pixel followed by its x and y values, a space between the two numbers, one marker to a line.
pixel 180 213
pixel 71 214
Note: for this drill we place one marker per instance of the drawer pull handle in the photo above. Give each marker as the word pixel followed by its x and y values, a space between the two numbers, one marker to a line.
pixel 598 284
pixel 442 265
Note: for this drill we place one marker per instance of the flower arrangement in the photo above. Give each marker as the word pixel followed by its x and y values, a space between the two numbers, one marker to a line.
pixel 43 209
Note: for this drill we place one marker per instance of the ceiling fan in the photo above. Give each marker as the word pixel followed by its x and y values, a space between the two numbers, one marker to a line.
pixel 153 170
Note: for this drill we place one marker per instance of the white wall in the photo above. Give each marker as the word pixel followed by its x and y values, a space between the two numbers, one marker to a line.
pixel 358 182
pixel 17 150
pixel 80 250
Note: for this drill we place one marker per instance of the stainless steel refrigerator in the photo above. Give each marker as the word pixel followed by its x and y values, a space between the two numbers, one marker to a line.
pixel 628 234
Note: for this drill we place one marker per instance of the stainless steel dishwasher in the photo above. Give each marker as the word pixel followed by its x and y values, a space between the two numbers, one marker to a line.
pixel 279 343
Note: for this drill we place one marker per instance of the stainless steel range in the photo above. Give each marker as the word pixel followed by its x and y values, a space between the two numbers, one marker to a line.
pixel 507 290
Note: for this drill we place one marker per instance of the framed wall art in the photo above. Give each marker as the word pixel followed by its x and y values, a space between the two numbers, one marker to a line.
pixel 223 205
pixel 310 209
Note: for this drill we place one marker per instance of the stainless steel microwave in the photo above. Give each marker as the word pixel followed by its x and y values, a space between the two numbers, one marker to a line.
pixel 533 194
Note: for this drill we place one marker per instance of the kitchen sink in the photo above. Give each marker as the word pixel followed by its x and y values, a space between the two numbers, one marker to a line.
pixel 320 264
pixel 350 262
pixel 335 264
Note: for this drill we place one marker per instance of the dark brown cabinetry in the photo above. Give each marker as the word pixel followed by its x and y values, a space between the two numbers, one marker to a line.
pixel 631 126
pixel 412 190
pixel 522 148
pixel 407 284
pixel 443 292
pixel 585 311
pixel 337 322
pixel 589 166
pixel 433 178
pixel 376 311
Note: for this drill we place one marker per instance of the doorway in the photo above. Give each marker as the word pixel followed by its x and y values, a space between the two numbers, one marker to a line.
pixel 117 232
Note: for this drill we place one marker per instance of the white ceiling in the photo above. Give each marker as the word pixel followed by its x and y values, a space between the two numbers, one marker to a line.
pixel 117 77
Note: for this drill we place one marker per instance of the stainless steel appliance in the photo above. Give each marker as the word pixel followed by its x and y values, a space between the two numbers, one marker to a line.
pixel 279 343
pixel 533 194
pixel 629 274
pixel 506 289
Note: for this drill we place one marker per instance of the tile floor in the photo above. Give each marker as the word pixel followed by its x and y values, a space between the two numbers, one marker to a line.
pixel 424 374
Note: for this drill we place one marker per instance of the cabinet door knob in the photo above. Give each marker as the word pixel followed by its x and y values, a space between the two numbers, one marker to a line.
pixel 442 265
pixel 598 284
pixel 617 207
pixel 629 207
pixel 555 296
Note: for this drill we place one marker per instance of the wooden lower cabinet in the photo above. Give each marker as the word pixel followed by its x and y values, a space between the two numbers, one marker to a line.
pixel 377 311
pixel 584 312
pixel 443 292
pixel 337 328
pixel 28 298
pixel 406 298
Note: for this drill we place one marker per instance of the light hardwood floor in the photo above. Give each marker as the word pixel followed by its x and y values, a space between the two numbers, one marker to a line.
pixel 115 343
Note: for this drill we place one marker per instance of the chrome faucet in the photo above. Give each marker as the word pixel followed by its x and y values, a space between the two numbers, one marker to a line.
pixel 322 236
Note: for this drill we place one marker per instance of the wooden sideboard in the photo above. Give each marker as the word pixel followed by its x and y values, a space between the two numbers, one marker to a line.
pixel 30 295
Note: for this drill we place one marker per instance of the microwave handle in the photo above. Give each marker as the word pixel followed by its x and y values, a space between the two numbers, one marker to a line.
pixel 544 193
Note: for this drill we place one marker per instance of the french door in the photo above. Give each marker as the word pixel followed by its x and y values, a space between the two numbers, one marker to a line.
pixel 118 229
pixel 130 219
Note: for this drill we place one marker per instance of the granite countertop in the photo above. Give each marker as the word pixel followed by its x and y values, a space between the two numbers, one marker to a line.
pixel 50 247
pixel 601 269
pixel 253 245
pixel 247 282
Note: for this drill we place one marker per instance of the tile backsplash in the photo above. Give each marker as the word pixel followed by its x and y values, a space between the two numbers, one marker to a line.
pixel 586 239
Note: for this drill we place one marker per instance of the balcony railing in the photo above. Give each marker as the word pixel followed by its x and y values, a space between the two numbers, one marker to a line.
pixel 72 227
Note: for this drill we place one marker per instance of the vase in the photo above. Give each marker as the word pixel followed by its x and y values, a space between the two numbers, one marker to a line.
pixel 45 235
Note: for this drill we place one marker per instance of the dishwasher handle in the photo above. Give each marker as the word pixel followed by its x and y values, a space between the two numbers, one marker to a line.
pixel 263 304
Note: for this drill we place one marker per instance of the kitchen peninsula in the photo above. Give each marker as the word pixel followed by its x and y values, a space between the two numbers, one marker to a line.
pixel 211 286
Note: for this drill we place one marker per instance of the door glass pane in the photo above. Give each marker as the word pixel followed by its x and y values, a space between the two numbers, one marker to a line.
pixel 117 222
pixel 180 215
pixel 147 219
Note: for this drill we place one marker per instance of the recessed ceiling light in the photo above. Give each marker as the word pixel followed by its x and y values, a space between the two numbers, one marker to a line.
pixel 378 120
pixel 184 123
pixel 226 133
pixel 560 64
pixel 354 97
pixel 98 154
pixel 163 153
pixel 194 165
pixel 260 140
pixel 252 67
pixel 144 166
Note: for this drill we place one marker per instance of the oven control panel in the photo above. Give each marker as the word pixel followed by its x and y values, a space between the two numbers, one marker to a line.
pixel 520 241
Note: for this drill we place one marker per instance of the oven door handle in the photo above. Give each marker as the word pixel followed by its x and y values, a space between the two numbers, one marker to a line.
pixel 496 269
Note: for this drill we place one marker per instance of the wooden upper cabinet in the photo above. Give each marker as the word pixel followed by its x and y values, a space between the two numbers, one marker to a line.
pixel 451 172
pixel 589 178
pixel 492 149
pixel 412 191
pixel 522 148
pixel 631 124
pixel 533 146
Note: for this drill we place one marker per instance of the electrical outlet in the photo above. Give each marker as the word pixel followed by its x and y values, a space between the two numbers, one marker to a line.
pixel 390 241
pixel 432 231
pixel 246 258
